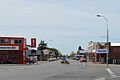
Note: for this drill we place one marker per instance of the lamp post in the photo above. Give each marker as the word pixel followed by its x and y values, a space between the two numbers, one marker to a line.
pixel 106 36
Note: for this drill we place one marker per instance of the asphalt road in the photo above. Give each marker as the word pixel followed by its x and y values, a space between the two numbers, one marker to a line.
pixel 57 71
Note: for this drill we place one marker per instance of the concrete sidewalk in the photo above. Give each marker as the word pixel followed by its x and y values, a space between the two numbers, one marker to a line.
pixel 103 65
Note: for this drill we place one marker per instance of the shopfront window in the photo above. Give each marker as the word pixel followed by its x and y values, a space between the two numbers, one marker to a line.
pixel 16 41
pixel 4 41
pixel 3 52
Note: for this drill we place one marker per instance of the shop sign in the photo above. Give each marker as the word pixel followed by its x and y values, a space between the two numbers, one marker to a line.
pixel 33 42
pixel 101 51
pixel 83 51
pixel 9 47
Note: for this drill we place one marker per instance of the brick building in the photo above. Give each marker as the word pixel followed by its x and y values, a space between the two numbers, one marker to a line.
pixel 114 54
pixel 98 51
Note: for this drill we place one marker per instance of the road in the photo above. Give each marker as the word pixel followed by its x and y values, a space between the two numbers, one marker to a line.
pixel 56 71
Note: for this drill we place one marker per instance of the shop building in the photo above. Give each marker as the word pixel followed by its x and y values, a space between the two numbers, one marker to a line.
pixel 99 50
pixel 114 55
pixel 13 50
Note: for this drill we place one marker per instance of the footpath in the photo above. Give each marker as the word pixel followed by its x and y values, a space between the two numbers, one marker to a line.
pixel 103 65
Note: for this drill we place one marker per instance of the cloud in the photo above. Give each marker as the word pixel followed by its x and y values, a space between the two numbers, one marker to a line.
pixel 44 14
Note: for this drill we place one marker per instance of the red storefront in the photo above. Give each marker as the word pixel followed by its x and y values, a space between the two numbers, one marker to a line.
pixel 12 50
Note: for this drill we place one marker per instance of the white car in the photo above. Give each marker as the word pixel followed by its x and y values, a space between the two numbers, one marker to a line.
pixel 52 59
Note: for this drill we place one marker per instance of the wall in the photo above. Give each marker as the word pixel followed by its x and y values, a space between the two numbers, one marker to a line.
pixel 114 52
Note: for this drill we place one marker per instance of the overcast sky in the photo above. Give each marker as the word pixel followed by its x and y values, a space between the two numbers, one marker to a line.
pixel 68 23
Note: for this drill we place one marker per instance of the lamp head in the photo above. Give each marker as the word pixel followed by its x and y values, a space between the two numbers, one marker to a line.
pixel 98 15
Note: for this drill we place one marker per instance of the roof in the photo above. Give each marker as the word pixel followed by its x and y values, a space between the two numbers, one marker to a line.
pixel 12 38
pixel 46 52
pixel 115 44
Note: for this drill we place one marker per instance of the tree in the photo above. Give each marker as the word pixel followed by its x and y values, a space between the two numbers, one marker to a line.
pixel 79 48
pixel 55 51
pixel 72 54
pixel 42 45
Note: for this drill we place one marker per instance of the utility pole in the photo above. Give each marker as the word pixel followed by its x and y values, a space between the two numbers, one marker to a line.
pixel 107 35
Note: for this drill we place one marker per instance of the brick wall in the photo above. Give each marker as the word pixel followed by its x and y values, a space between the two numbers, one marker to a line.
pixel 114 52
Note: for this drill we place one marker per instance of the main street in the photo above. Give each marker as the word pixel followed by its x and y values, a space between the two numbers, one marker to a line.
pixel 57 71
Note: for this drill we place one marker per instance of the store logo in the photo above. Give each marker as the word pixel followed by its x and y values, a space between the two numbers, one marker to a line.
pixel 13 47
pixel 9 47
pixel 101 50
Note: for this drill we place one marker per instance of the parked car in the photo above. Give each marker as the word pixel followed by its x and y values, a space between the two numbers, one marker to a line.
pixel 75 58
pixel 32 59
pixel 82 59
pixel 52 59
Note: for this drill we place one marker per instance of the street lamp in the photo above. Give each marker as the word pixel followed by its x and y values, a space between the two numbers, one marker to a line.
pixel 106 36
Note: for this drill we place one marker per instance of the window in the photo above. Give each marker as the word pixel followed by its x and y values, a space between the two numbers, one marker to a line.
pixel 4 41
pixel 4 52
pixel 12 41
pixel 16 41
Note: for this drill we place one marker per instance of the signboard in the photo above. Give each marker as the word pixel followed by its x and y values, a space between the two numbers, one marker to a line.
pixel 33 42
pixel 9 47
pixel 101 51
pixel 83 51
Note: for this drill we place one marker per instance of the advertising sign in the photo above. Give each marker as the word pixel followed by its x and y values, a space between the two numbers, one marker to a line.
pixel 33 42
pixel 83 51
pixel 101 51
pixel 9 47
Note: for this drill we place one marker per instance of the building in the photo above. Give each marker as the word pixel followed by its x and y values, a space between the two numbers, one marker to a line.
pixel 99 50
pixel 12 50
pixel 114 54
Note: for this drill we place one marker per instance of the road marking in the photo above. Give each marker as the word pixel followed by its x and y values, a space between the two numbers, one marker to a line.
pixel 101 79
pixel 111 73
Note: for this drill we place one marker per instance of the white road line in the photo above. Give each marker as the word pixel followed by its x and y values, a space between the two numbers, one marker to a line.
pixel 111 73
pixel 101 79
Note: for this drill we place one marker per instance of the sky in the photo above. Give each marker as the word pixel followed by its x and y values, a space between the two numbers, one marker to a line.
pixel 63 24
